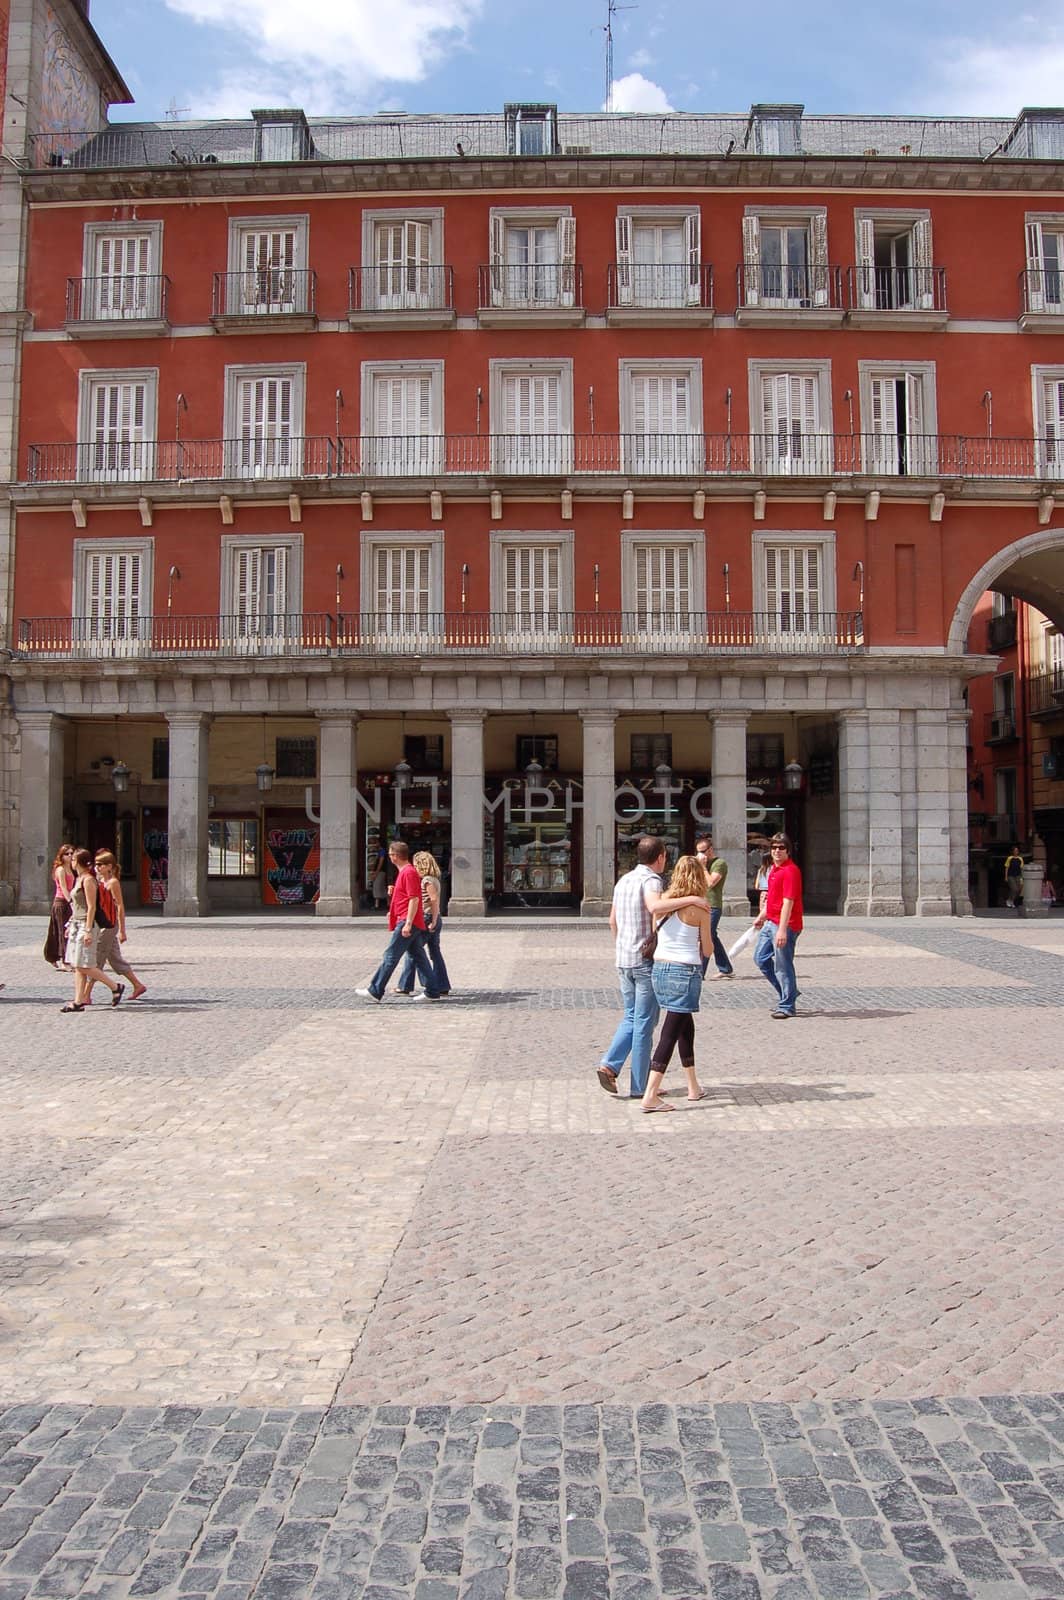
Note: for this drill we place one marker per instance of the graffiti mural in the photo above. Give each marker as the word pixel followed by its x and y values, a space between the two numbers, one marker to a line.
pixel 71 101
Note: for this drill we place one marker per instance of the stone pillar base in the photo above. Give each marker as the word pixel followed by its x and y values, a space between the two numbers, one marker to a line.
pixel 856 907
pixel 736 907
pixel 886 905
pixel 595 908
pixel 962 907
pixel 334 905
pixel 173 907
pixel 934 906
pixel 465 908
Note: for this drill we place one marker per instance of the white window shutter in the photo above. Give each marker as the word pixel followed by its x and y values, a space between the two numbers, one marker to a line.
pixel 567 260
pixel 624 259
pixel 498 258
pixel 752 259
pixel 915 424
pixel 692 229
pixel 924 264
pixel 883 426
pixel 279 563
pixel 772 581
pixel 866 263
pixel 247 580
pixel 1035 268
pixel 818 250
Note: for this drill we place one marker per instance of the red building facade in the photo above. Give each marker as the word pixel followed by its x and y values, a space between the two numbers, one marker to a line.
pixel 507 484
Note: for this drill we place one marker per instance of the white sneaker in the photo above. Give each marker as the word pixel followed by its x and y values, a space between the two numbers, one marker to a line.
pixel 421 995
pixel 367 994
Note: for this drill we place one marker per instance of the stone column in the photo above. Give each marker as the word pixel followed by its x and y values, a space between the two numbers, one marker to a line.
pixel 934 895
pixel 853 812
pixel 467 814
pixel 186 889
pixel 884 814
pixel 40 806
pixel 600 764
pixel 338 892
pixel 957 728
pixel 729 807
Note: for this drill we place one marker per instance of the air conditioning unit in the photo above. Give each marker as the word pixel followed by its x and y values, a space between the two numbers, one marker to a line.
pixel 578 149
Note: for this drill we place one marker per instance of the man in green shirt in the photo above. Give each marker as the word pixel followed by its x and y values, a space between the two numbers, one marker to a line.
pixel 716 871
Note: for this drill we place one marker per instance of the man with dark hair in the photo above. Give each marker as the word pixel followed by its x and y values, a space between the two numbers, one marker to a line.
pixel 780 924
pixel 636 898
pixel 406 921
pixel 716 871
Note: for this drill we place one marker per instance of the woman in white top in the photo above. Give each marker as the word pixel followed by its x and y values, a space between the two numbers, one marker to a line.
pixel 684 937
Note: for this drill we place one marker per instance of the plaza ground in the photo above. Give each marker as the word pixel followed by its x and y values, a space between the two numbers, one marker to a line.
pixel 301 1296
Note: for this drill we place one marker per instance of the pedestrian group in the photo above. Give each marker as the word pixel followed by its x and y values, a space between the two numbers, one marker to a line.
pixel 87 926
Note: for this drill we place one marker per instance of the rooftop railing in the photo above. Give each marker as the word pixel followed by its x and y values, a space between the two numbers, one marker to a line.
pixel 680 633
pixel 788 453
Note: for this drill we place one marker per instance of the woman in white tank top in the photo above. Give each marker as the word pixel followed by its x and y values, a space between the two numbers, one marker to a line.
pixel 683 939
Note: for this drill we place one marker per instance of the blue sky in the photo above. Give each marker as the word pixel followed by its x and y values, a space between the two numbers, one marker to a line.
pixel 221 57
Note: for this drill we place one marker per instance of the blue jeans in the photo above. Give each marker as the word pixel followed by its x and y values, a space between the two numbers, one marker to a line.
pixel 778 965
pixel 398 946
pixel 720 955
pixel 635 1032
pixel 436 962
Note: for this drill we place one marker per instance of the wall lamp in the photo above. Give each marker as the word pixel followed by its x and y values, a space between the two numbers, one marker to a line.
pixel 858 578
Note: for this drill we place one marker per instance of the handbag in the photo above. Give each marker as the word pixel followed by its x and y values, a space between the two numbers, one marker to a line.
pixel 650 943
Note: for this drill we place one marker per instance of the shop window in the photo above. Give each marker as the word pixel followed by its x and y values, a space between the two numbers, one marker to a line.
pixel 542 746
pixel 649 750
pixel 233 847
pixel 160 760
pixel 423 751
pixel 764 752
pixel 297 758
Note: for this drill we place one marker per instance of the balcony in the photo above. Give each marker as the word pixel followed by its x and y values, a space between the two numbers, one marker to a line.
pixel 1001 631
pixel 897 297
pixel 704 460
pixel 1045 693
pixel 400 296
pixel 1042 300
pixel 1000 727
pixel 547 295
pixel 772 295
pixel 131 305
pixel 265 300
pixel 670 295
pixel 447 634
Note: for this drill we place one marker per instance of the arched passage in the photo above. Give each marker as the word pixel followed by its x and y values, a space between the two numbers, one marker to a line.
pixel 1032 569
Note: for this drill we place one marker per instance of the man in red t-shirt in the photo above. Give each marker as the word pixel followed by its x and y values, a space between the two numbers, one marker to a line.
pixel 780 924
pixel 406 921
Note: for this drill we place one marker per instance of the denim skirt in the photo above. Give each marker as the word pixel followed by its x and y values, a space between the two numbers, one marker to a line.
pixel 677 987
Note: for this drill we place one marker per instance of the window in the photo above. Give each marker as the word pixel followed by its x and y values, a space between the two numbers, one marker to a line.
pixel 264 421
pixel 423 751
pixel 402 252
pixel 785 259
pixel 1049 409
pixel 282 136
pixel 764 752
pixel 401 584
pixel 532 585
pixel 160 760
pixel 649 750
pixel 116 426
pixel 267 262
pixel 112 592
pixel 403 408
pixel 531 130
pixel 899 418
pixel 1003 720
pixel 533 259
pixel 1045 263
pixel 121 270
pixel 261 593
pixel 531 417
pixel 1000 604
pixel 661 415
pixel 895 269
pixel 1053 650
pixel 790 413
pixel 663 581
pixel 659 259
pixel 794 584
pixel 296 758
pixel 541 747
pixel 1005 797
pixel 233 847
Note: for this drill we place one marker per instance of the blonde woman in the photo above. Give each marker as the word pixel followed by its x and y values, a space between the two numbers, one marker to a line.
pixel 111 898
pixel 684 937
pixel 428 869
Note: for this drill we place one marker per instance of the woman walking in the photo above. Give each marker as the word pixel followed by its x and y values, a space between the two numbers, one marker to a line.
pixel 84 910
pixel 112 902
pixel 684 937
pixel 429 870
pixel 64 878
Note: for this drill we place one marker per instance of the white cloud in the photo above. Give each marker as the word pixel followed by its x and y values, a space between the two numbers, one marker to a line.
pixel 641 58
pixel 327 55
pixel 636 93
pixel 984 77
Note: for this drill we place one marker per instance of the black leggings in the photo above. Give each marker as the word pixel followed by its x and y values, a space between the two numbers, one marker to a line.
pixel 677 1029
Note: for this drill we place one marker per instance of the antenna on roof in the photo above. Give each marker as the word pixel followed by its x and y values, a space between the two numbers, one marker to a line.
pixel 612 9
pixel 174 112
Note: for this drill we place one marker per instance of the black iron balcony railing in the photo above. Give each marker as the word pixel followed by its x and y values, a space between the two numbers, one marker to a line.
pixel 1001 631
pixel 771 286
pixel 897 288
pixel 663 286
pixel 1043 290
pixel 681 633
pixel 1045 692
pixel 548 286
pixel 127 297
pixel 265 292
pixel 789 453
pixel 400 287
pixel 999 726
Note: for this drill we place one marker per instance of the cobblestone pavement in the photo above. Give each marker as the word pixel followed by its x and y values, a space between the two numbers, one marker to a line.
pixel 301 1297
